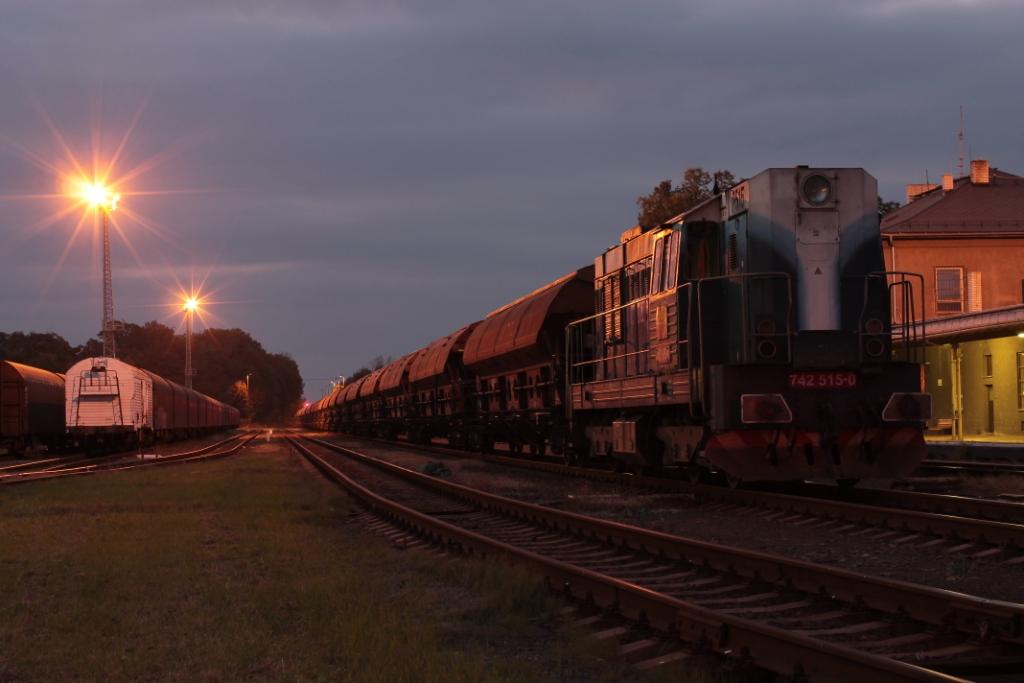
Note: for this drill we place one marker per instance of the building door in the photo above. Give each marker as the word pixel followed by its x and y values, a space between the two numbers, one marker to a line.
pixel 990 422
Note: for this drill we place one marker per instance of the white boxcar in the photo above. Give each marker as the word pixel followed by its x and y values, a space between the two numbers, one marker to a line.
pixel 107 399
pixel 105 394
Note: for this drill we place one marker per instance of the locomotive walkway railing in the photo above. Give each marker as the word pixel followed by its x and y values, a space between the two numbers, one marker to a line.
pixel 906 311
pixel 756 308
pixel 591 356
pixel 586 335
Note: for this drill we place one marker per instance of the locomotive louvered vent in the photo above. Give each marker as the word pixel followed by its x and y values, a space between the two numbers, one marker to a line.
pixel 734 257
pixel 612 298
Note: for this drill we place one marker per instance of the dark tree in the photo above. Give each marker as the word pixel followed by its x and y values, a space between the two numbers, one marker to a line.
pixel 885 207
pixel 666 201
pixel 47 350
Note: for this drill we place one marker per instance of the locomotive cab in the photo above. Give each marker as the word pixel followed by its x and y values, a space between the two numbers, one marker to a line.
pixel 763 344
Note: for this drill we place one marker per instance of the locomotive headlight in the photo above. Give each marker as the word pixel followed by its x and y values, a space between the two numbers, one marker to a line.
pixel 874 326
pixel 817 189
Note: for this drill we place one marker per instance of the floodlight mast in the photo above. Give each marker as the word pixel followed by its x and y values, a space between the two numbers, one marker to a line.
pixel 105 202
pixel 189 372
pixel 102 198
pixel 190 306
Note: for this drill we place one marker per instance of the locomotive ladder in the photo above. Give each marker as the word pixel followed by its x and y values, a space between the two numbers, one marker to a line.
pixel 98 384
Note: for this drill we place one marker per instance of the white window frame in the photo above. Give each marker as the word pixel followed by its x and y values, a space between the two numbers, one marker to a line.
pixel 944 306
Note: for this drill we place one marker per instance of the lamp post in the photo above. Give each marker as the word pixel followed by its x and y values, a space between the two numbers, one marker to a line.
pixel 190 306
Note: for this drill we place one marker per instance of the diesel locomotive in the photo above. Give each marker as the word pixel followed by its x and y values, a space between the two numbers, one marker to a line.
pixel 753 335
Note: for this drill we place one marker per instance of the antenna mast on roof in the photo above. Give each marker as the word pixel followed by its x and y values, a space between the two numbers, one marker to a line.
pixel 960 138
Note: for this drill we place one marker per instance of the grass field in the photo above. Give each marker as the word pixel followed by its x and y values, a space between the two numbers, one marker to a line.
pixel 250 568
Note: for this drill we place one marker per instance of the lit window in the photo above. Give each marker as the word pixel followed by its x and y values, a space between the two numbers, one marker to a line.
pixel 949 290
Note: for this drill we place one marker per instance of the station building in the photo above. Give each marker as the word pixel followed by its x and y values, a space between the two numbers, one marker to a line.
pixel 965 236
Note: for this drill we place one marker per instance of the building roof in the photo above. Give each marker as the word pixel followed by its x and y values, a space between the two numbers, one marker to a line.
pixel 971 208
pixel 995 322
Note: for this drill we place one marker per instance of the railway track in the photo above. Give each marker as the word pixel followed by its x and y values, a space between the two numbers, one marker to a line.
pixel 42 463
pixel 120 462
pixel 974 467
pixel 979 528
pixel 788 616
pixel 947 504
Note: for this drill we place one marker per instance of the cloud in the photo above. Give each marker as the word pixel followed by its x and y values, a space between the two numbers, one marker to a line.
pixel 375 174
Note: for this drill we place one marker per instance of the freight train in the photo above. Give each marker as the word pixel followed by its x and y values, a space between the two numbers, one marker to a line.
pixel 111 403
pixel 752 335
pixel 31 408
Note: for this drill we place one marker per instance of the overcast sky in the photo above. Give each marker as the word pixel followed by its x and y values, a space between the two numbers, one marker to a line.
pixel 364 177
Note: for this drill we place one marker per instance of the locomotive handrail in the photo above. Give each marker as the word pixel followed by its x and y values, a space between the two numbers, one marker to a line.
pixel 610 310
pixel 691 374
pixel 595 361
pixel 908 325
pixel 574 326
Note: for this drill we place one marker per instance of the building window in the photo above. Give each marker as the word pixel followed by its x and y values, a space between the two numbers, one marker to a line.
pixel 988 364
pixel 1020 380
pixel 949 290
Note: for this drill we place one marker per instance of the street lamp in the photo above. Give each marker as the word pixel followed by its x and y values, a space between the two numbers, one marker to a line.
pixel 190 305
pixel 104 200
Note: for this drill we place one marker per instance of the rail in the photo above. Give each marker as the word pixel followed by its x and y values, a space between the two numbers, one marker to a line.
pixel 775 648
pixel 202 453
pixel 963 520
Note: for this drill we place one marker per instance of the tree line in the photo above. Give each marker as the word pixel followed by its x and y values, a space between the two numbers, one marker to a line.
pixel 221 357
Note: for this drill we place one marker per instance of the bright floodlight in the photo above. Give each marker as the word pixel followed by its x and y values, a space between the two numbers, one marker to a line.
pixel 191 304
pixel 99 195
